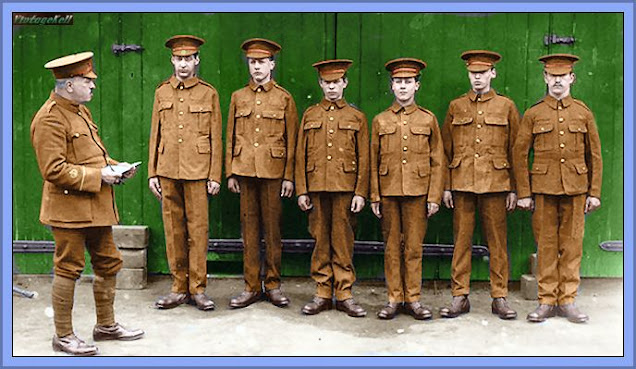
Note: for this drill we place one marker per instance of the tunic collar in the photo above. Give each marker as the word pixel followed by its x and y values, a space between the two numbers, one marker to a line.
pixel 174 82
pixel 338 103
pixel 65 103
pixel 395 107
pixel 484 97
pixel 554 103
pixel 268 86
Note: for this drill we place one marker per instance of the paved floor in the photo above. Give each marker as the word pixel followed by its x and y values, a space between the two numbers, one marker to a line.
pixel 263 329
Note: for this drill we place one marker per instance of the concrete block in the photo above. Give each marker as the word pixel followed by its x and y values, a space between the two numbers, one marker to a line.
pixel 529 287
pixel 134 258
pixel 131 237
pixel 533 263
pixel 131 279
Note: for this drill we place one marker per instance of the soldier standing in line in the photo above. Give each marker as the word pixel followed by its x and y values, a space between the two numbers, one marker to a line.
pixel 78 202
pixel 259 163
pixel 479 132
pixel 185 162
pixel 332 177
pixel 563 184
pixel 407 158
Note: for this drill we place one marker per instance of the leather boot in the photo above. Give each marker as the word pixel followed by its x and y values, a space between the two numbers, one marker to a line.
pixel 501 308
pixel 277 297
pixel 116 332
pixel 172 300
pixel 572 313
pixel 245 299
pixel 460 305
pixel 541 313
pixel 71 344
pixel 417 310
pixel 202 302
pixel 389 311
pixel 351 307
pixel 316 305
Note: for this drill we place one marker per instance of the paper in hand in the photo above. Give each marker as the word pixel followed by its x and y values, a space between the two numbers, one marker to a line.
pixel 122 168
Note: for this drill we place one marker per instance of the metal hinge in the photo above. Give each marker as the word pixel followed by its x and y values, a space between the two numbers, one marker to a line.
pixel 123 48
pixel 616 246
pixel 560 40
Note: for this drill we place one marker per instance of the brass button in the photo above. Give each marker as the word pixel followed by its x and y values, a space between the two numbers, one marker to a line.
pixel 353 162
pixel 479 126
pixel 405 148
pixel 505 164
pixel 404 122
pixel 66 192
pixel 561 133
pixel 180 113
pixel 331 131
pixel 181 99
pixel 258 116
pixel 476 155
pixel 255 144
pixel 562 145
pixel 330 118
pixel 479 99
pixel 559 107
pixel 477 140
pixel 180 126
pixel 258 102
pixel 180 87
pixel 328 157
pixel 258 89
pixel 543 128
pixel 257 129
pixel 480 112
pixel 329 144
pixel 180 140
pixel 331 107
pixel 562 160
pixel 76 135
pixel 79 113
pixel 403 161
pixel 200 108
pixel 405 137
pixel 561 119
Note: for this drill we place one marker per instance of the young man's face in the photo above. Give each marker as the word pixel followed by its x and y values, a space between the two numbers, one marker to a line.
pixel 404 88
pixel 480 81
pixel 260 69
pixel 81 89
pixel 184 66
pixel 333 90
pixel 559 84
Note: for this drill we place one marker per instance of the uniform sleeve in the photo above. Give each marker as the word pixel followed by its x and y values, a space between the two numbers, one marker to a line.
pixel 593 158
pixel 513 119
pixel 374 158
pixel 216 133
pixel 291 130
pixel 362 182
pixel 447 139
pixel 155 138
pixel 50 144
pixel 229 138
pixel 438 166
pixel 520 157
pixel 300 175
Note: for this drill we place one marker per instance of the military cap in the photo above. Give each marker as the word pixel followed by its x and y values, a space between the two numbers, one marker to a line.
pixel 480 60
pixel 332 70
pixel 80 64
pixel 559 63
pixel 184 45
pixel 259 48
pixel 405 67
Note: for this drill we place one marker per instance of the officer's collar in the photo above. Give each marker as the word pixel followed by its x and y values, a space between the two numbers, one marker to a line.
pixel 174 82
pixel 395 107
pixel 554 103
pixel 65 103
pixel 268 86
pixel 339 103
pixel 472 95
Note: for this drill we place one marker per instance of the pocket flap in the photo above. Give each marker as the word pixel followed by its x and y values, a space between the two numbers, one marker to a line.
pixel 278 152
pixel 421 130
pixel 424 169
pixel 387 129
pixel 539 168
pixel 161 147
pixel 500 163
pixel 348 124
pixel 163 105
pixel 581 168
pixel 237 150
pixel 274 114
pixel 311 166
pixel 384 169
pixel 312 125
pixel 577 127
pixel 496 120
pixel 243 111
pixel 349 166
pixel 203 147
pixel 462 120
pixel 455 163
pixel 542 127
pixel 200 108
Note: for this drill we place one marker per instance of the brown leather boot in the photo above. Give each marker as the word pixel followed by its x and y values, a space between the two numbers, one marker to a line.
pixel 71 344
pixel 501 308
pixel 417 310
pixel 541 313
pixel 316 305
pixel 460 305
pixel 202 302
pixel 276 297
pixel 116 332
pixel 572 313
pixel 389 311
pixel 245 299
pixel 351 307
pixel 172 300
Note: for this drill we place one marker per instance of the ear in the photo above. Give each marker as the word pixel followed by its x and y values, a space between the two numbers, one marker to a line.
pixel 69 85
pixel 197 60
pixel 493 72
pixel 345 83
pixel 573 78
pixel 417 85
pixel 545 77
pixel 273 63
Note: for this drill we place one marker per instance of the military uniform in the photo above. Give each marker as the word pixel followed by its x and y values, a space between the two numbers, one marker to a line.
pixel 406 174
pixel 261 136
pixel 185 152
pixel 478 133
pixel 78 206
pixel 567 168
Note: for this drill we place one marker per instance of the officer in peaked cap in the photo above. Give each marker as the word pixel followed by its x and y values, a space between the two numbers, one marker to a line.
pixel 185 163
pixel 332 179
pixel 406 186
pixel 78 202
pixel 259 164
pixel 478 133
pixel 562 185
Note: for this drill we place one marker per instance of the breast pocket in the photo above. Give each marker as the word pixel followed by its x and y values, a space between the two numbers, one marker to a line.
pixel 84 147
pixel 421 135
pixel 497 130
pixel 461 137
pixel 387 137
pixel 347 134
pixel 165 110
pixel 541 132
pixel 578 128
pixel 241 116
pixel 202 113
pixel 275 123
pixel 312 129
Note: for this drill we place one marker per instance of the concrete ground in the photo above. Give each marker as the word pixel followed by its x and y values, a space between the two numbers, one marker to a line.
pixel 265 330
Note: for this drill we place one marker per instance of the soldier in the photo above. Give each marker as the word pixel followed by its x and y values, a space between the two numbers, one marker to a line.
pixel 406 185
pixel 259 163
pixel 78 202
pixel 332 178
pixel 185 161
pixel 565 181
pixel 478 133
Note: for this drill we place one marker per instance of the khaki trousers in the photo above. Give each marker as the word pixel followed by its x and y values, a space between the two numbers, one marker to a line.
pixel 184 208
pixel 492 210
pixel 403 218
pixel 261 209
pixel 332 225
pixel 558 223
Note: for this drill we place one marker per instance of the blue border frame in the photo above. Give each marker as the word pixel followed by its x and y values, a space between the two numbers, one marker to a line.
pixel 6 182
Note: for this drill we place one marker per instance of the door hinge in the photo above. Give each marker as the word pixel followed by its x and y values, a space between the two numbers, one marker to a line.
pixel 560 40
pixel 123 48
